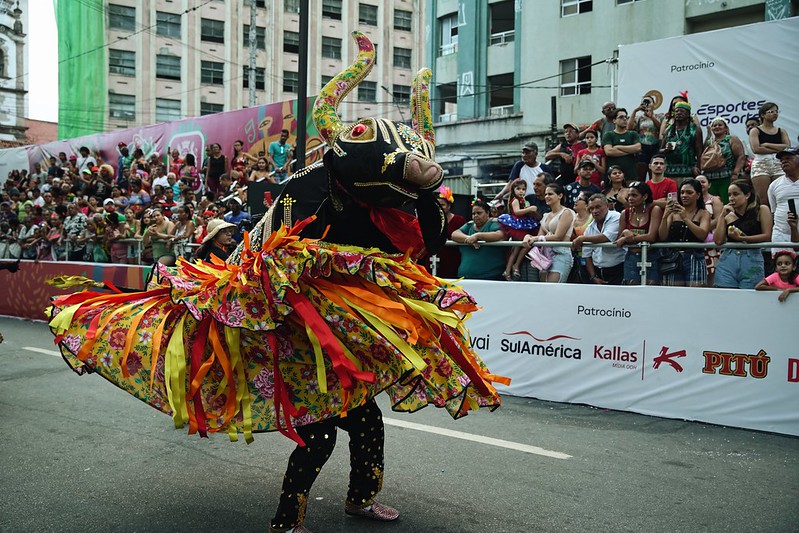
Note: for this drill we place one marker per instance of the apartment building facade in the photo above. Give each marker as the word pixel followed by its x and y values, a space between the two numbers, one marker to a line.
pixel 165 60
pixel 508 71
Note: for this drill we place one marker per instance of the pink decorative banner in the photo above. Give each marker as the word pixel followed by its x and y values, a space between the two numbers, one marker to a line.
pixel 256 127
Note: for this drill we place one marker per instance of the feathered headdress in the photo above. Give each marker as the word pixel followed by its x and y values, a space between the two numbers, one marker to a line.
pixel 446 193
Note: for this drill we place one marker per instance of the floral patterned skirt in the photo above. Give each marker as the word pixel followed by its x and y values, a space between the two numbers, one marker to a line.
pixel 298 332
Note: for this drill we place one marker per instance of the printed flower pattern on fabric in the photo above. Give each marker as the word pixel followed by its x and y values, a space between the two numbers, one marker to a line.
pixel 380 308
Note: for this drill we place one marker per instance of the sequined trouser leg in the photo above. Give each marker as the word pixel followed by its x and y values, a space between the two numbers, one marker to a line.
pixel 365 427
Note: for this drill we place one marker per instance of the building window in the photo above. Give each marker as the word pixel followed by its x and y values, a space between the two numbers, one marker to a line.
pixel 167 24
pixel 367 14
pixel 331 9
pixel 260 37
pixel 500 95
pixel 326 79
pixel 167 66
pixel 212 72
pixel 331 48
pixel 574 7
pixel 367 91
pixel 620 2
pixel 260 77
pixel 575 76
pixel 122 62
pixel 402 20
pixel 291 42
pixel 121 17
pixel 292 6
pixel 212 30
pixel 260 3
pixel 210 109
pixel 503 22
pixel 122 106
pixel 402 93
pixel 402 57
pixel 449 34
pixel 447 95
pixel 167 110
pixel 291 81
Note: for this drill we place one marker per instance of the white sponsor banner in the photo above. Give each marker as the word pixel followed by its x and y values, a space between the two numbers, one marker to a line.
pixel 12 159
pixel 723 356
pixel 727 73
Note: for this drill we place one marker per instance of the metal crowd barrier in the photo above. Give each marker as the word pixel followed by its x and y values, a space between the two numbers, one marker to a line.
pixel 644 264
pixel 135 249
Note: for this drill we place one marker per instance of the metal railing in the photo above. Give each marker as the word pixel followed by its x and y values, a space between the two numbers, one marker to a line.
pixel 502 37
pixel 135 249
pixel 644 264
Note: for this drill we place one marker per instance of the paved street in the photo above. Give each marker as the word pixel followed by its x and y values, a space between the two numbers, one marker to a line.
pixel 77 454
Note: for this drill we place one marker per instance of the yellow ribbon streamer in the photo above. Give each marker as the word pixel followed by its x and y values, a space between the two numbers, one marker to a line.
pixel 63 320
pixel 391 336
pixel 233 339
pixel 321 375
pixel 175 375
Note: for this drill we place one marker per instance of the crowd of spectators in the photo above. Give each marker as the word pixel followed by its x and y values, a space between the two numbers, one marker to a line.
pixel 137 208
pixel 642 177
pixel 627 179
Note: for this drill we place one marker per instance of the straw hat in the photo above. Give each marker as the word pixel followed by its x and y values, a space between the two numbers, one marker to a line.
pixel 214 227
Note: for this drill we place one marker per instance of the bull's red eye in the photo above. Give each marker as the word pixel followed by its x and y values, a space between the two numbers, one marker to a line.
pixel 358 130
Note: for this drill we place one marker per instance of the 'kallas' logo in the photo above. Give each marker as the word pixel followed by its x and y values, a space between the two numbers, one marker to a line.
pixel 543 347
pixel 617 356
pixel 668 357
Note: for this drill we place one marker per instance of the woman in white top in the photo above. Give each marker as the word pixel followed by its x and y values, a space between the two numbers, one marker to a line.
pixel 766 141
pixel 556 226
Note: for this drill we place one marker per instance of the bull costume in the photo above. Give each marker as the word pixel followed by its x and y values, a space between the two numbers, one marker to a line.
pixel 319 309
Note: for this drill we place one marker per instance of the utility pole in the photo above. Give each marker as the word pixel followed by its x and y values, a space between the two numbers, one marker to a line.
pixel 253 50
pixel 302 91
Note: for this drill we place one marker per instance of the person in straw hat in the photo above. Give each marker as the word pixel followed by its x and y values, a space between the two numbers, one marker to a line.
pixel 217 241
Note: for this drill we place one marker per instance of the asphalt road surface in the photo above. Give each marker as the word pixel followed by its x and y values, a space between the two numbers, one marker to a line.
pixel 78 454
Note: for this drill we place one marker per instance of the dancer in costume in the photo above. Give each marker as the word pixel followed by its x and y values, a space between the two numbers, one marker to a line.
pixel 297 334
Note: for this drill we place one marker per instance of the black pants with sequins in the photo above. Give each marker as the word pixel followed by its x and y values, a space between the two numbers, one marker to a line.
pixel 365 427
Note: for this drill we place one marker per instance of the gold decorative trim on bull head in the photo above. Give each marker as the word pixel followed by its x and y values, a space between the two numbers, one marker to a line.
pixel 325 110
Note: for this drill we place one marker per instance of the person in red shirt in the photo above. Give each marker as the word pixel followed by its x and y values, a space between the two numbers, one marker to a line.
pixel 660 185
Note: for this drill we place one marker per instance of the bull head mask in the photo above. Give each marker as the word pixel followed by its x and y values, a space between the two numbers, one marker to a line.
pixel 377 161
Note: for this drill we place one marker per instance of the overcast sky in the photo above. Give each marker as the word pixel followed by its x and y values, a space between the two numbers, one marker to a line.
pixel 42 61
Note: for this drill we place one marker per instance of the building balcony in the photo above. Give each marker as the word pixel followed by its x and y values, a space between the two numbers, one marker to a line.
pixel 501 38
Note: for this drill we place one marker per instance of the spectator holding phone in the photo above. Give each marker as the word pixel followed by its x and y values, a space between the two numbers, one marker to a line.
pixel 782 191
pixel 743 219
pixel 685 220
pixel 639 223
pixel 646 124
pixel 658 183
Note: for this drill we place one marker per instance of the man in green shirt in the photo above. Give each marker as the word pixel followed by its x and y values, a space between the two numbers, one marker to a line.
pixel 621 145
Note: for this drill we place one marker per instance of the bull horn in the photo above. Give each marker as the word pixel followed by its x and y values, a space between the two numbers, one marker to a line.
pixel 325 114
pixel 420 105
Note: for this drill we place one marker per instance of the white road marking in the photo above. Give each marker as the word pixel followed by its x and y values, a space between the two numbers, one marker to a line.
pixel 56 353
pixel 421 427
pixel 476 438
